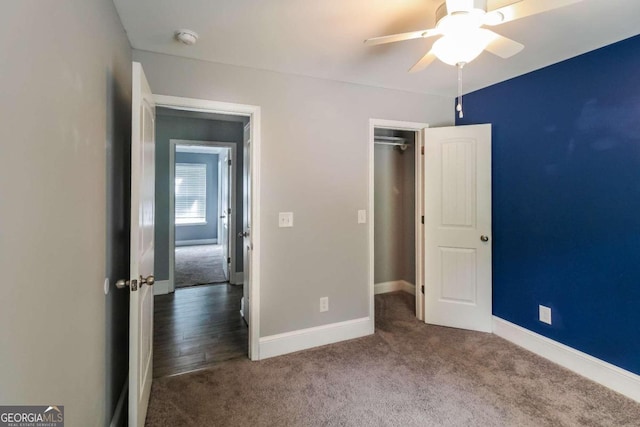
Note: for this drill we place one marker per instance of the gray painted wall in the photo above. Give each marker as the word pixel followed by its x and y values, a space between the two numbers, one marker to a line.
pixel 394 201
pixel 314 163
pixel 210 229
pixel 171 124
pixel 65 95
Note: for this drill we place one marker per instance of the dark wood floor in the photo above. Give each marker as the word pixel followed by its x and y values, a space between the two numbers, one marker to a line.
pixel 196 327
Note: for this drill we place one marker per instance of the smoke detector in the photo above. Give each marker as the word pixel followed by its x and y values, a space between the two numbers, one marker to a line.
pixel 187 37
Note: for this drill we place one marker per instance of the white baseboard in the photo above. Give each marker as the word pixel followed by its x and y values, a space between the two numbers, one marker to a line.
pixel 196 242
pixel 237 278
pixel 393 286
pixel 611 376
pixel 161 287
pixel 118 414
pixel 276 345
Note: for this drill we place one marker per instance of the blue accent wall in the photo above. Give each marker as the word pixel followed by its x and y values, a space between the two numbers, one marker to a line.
pixel 566 199
pixel 210 229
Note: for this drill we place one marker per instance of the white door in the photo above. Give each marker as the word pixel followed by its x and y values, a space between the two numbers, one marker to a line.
pixel 224 169
pixel 246 225
pixel 142 244
pixel 457 230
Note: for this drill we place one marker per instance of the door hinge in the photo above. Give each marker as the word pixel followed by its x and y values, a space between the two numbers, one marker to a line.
pixel 229 210
pixel 422 289
pixel 229 260
pixel 422 219
pixel 229 162
pixel 422 150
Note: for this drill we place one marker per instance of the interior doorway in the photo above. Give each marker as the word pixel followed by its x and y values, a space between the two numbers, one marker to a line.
pixel 200 207
pixel 452 226
pixel 204 213
pixel 396 206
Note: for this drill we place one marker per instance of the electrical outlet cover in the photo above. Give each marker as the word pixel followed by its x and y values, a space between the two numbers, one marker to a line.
pixel 545 314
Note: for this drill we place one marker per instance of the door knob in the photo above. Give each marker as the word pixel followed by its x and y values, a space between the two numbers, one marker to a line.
pixel 484 238
pixel 223 216
pixel 243 234
pixel 120 284
pixel 149 280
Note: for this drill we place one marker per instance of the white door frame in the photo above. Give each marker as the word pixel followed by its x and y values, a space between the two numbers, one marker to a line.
pixel 419 228
pixel 172 208
pixel 253 112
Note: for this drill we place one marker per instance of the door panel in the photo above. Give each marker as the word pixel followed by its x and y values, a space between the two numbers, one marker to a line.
pixel 458 183
pixel 457 190
pixel 142 247
pixel 458 275
pixel 246 225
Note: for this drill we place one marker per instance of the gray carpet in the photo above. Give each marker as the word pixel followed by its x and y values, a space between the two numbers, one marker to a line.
pixel 407 374
pixel 197 265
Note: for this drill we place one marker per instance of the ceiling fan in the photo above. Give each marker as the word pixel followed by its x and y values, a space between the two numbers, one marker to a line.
pixel 462 36
pixel 459 24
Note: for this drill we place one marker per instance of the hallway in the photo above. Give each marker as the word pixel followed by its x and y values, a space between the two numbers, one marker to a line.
pixel 197 327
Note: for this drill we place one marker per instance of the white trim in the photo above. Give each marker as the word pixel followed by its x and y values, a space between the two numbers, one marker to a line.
pixel 196 242
pixel 599 371
pixel 199 149
pixel 172 216
pixel 394 286
pixel 254 113
pixel 161 287
pixel 118 418
pixel 418 128
pixel 419 229
pixel 288 342
pixel 238 278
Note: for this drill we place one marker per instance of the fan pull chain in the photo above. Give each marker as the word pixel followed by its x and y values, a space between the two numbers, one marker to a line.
pixel 460 65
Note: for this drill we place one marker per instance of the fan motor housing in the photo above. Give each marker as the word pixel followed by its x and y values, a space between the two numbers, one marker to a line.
pixel 460 6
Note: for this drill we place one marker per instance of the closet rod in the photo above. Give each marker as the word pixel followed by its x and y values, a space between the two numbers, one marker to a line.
pixel 397 144
pixel 390 138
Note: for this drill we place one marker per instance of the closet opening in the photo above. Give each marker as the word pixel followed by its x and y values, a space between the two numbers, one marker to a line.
pixel 397 215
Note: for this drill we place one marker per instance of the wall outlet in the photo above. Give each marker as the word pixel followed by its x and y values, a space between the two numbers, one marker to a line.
pixel 324 304
pixel 362 216
pixel 545 314
pixel 285 219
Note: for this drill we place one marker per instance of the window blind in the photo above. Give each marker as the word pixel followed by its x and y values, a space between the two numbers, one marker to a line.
pixel 191 193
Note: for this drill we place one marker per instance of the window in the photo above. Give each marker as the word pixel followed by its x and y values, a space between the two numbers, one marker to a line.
pixel 191 193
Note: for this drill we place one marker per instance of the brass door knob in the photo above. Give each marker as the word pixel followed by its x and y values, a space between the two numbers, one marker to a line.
pixel 149 280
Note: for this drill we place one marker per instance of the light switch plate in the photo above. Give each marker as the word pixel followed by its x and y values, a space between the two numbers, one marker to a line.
pixel 324 304
pixel 285 219
pixel 362 216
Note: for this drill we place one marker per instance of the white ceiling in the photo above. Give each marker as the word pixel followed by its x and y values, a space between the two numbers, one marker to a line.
pixel 323 38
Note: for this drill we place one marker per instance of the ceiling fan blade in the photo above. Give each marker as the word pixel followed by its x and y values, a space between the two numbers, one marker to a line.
pixel 424 62
pixel 522 9
pixel 401 37
pixel 502 46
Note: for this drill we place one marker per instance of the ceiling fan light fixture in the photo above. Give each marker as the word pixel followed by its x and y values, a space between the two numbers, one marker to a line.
pixel 460 23
pixel 461 49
